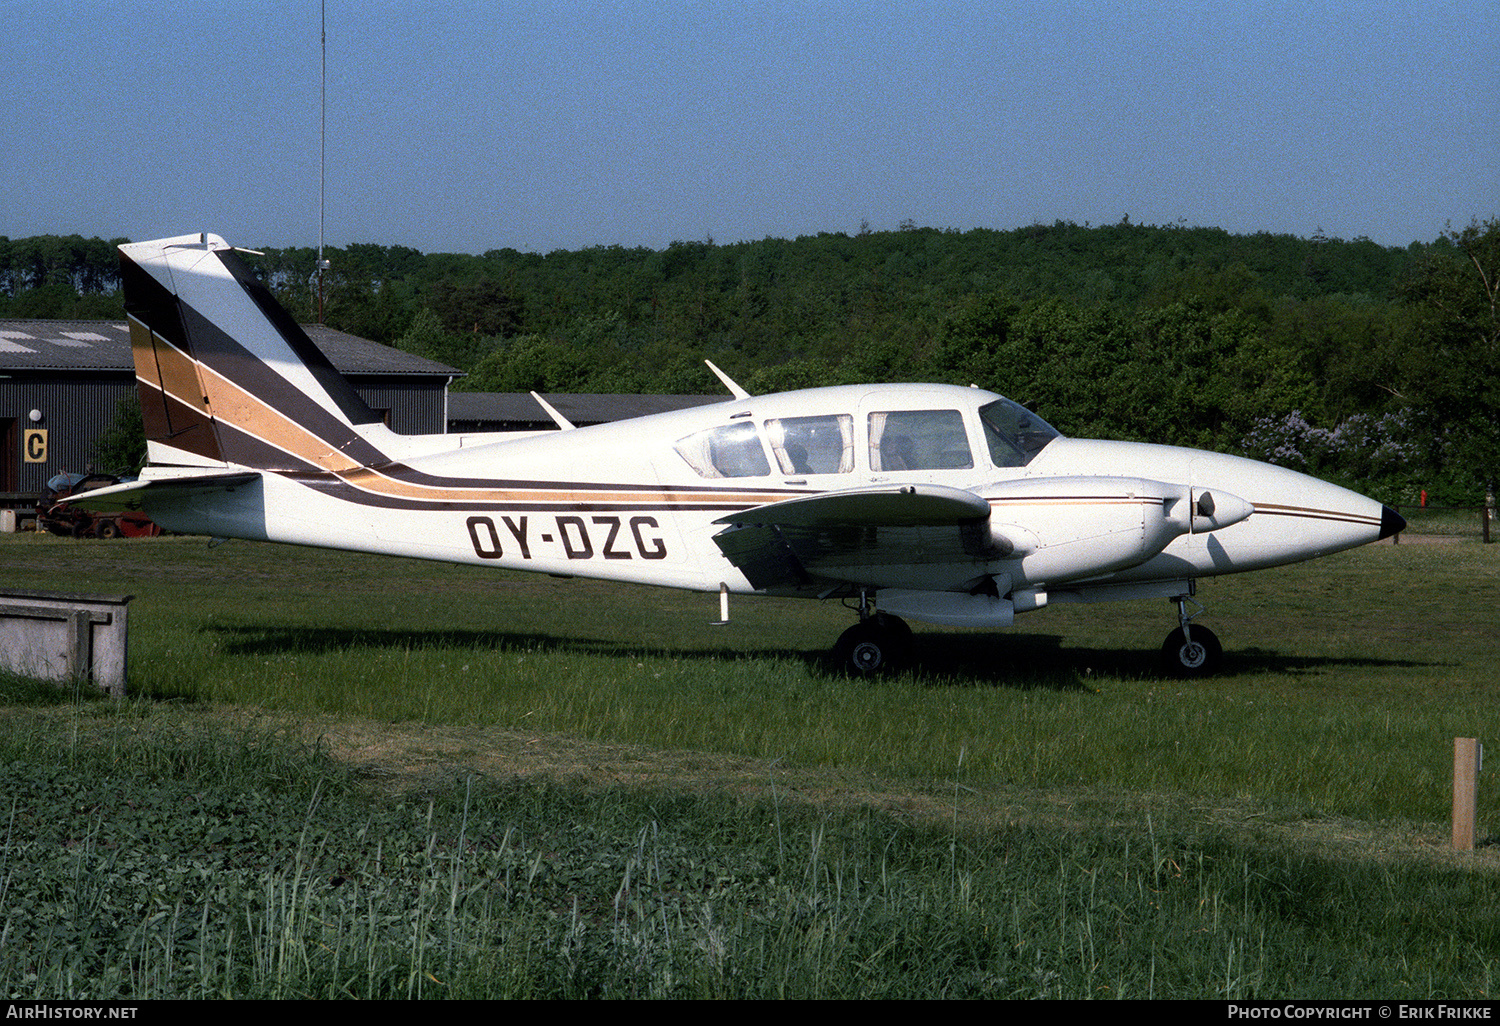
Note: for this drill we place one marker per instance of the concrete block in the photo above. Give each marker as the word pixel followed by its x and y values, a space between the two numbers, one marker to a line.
pixel 60 637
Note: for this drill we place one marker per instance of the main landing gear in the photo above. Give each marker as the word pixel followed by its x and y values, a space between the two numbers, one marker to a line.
pixel 876 645
pixel 880 643
pixel 1191 651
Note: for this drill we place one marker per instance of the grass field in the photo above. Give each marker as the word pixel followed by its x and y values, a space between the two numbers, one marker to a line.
pixel 673 808
pixel 1459 523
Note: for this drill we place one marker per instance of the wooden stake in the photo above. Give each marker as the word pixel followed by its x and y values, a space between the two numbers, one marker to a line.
pixel 1466 755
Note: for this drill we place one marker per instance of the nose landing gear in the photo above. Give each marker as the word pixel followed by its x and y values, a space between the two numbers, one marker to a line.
pixel 1191 651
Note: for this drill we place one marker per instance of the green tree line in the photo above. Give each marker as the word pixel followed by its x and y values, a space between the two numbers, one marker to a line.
pixel 1368 364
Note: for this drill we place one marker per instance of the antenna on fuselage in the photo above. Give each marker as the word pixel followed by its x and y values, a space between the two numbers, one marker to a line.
pixel 557 418
pixel 729 383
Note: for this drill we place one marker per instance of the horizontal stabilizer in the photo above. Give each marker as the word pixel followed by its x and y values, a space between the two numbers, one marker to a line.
pixel 131 495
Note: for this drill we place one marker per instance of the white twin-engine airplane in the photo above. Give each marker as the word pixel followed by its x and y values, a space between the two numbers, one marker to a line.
pixel 936 503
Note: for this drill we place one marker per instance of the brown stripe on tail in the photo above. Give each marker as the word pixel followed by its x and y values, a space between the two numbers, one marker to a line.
pixel 173 403
pixel 211 394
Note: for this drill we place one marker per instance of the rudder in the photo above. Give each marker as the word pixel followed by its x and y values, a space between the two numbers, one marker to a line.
pixel 226 376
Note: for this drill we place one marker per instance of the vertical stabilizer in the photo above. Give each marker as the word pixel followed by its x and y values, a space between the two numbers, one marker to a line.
pixel 226 376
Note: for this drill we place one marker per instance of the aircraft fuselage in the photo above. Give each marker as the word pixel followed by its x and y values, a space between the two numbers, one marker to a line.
pixel 621 502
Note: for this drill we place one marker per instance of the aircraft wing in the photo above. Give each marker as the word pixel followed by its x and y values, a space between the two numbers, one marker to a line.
pixel 845 535
pixel 131 495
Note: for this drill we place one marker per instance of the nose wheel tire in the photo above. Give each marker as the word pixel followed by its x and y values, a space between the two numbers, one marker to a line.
pixel 1195 654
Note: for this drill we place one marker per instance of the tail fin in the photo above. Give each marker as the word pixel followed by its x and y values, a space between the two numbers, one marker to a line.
pixel 226 377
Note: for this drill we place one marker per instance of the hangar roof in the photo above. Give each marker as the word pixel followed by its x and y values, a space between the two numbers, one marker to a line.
pixel 105 346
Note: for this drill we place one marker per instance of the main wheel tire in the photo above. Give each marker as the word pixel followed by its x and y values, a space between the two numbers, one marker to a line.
pixel 108 529
pixel 1192 655
pixel 897 629
pixel 868 649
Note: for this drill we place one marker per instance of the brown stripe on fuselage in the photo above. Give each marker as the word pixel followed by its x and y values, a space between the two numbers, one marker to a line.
pixel 562 492
pixel 501 502
pixel 407 474
pixel 1309 513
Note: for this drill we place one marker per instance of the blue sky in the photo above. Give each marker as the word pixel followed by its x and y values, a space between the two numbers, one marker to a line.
pixel 467 126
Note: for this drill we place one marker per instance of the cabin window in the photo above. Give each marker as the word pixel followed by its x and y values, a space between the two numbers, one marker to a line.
pixel 918 440
pixel 1013 433
pixel 813 445
pixel 733 450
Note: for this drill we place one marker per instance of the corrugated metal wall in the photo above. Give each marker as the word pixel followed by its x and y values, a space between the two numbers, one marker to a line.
pixel 417 406
pixel 75 410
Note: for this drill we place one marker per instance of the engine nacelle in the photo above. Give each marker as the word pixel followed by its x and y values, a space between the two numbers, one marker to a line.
pixel 1081 527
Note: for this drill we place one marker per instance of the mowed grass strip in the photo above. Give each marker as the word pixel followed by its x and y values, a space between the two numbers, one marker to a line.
pixel 1043 815
pixel 1347 677
pixel 155 850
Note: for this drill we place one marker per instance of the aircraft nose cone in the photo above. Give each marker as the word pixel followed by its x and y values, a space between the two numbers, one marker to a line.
pixel 1391 522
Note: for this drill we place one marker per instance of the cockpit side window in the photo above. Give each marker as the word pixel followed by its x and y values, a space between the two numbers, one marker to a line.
pixel 918 440
pixel 813 445
pixel 732 450
pixel 1013 433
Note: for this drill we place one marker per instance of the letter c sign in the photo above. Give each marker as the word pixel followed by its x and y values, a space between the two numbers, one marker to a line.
pixel 34 445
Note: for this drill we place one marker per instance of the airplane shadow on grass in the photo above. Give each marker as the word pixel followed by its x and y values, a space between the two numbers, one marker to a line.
pixel 939 659
pixel 1047 660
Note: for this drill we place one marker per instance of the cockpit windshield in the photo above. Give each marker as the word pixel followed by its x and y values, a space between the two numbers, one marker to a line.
pixel 1014 434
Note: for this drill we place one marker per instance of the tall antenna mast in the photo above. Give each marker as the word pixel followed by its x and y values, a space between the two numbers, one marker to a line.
pixel 322 148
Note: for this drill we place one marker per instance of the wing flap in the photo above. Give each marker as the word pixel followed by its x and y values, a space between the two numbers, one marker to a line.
pixel 888 506
pixel 860 535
